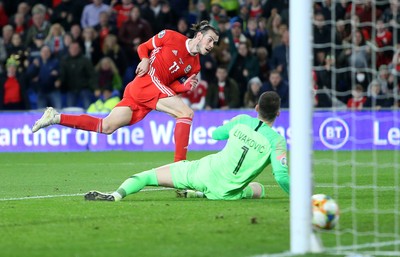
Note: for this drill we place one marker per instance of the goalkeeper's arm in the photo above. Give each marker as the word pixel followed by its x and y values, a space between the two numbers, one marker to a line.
pixel 282 178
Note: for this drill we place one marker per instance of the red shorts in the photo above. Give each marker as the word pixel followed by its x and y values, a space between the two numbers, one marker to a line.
pixel 142 95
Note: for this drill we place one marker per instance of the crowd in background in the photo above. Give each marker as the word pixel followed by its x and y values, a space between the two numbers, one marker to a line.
pixel 82 53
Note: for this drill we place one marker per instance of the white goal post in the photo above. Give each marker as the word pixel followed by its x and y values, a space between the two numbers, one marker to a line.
pixel 300 56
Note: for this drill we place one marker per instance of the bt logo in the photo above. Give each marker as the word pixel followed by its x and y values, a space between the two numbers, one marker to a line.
pixel 334 133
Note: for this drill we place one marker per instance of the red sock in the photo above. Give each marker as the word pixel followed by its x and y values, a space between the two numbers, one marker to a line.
pixel 181 136
pixel 84 122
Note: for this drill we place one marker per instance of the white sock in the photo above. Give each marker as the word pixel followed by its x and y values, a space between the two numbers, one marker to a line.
pixel 117 196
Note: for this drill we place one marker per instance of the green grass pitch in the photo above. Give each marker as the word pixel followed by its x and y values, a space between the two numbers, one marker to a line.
pixel 43 213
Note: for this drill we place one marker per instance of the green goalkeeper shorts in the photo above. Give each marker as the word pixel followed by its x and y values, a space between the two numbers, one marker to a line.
pixel 184 176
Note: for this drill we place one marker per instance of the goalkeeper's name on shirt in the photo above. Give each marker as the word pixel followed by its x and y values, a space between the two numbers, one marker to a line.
pixel 249 141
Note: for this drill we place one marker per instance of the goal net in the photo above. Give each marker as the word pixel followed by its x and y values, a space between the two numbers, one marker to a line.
pixel 356 122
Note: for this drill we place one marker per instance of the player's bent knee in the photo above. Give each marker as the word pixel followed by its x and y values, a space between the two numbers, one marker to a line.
pixel 107 128
pixel 258 190
pixel 186 113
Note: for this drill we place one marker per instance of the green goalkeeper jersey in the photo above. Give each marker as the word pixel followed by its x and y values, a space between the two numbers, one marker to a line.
pixel 251 146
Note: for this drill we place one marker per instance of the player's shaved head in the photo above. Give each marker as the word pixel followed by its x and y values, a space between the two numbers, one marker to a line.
pixel 269 105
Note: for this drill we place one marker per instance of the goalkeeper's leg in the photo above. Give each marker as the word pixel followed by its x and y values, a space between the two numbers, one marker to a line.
pixel 254 190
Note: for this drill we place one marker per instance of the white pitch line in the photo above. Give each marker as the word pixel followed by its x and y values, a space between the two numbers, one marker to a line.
pixel 68 195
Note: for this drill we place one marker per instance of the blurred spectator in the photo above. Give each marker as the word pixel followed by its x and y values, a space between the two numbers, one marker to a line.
pixel 91 13
pixel 19 24
pixel 202 13
pixel 208 67
pixel 91 45
pixel 255 9
pixel 106 102
pixel 6 36
pixel 231 6
pixel 108 76
pixel 18 52
pixel 39 25
pixel 112 50
pixel 65 14
pixel 222 93
pixel 322 97
pixel 257 37
pixel 280 86
pixel 383 41
pixel 376 98
pixel 214 15
pixel 76 33
pixel 327 8
pixel 196 98
pixel 67 40
pixel 253 92
pixel 358 99
pixel 24 11
pixel 159 15
pixel 242 67
pixel 34 50
pixel 3 15
pixel 104 28
pixel 367 15
pixel 323 70
pixel 122 11
pixel 391 15
pixel 55 39
pixel 134 32
pixel 43 73
pixel 275 6
pixel 141 3
pixel 342 36
pixel 223 27
pixel 384 79
pixel 276 29
pixel 77 77
pixel 321 34
pixel 242 17
pixel 13 94
pixel 280 57
pixel 236 37
pixel 183 27
pixel 262 57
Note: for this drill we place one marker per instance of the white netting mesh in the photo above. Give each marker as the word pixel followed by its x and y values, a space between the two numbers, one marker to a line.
pixel 356 46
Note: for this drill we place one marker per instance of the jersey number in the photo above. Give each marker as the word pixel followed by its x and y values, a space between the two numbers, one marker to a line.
pixel 174 67
pixel 245 150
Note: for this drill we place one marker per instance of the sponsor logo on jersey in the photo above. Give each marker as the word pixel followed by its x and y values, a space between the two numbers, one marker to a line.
pixel 188 68
pixel 161 34
pixel 175 52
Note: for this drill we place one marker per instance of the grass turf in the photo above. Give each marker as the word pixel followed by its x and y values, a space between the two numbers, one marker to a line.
pixel 155 223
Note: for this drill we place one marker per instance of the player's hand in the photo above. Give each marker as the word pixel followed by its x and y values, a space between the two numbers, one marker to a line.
pixel 192 82
pixel 143 67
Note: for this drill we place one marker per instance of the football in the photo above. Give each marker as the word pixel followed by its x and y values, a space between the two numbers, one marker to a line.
pixel 325 212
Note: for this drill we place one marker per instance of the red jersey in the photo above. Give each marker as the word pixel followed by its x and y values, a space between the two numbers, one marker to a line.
pixel 122 13
pixel 171 62
pixel 355 104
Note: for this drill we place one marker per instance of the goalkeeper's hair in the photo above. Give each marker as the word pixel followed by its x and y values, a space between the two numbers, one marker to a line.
pixel 269 105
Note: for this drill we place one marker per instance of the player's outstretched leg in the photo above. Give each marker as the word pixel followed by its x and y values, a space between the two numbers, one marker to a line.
pixel 98 196
pixel 48 118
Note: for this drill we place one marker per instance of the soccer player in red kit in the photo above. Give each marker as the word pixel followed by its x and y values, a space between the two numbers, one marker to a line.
pixel 169 65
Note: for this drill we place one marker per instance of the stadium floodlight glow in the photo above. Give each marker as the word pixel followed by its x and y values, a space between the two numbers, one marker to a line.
pixel 300 55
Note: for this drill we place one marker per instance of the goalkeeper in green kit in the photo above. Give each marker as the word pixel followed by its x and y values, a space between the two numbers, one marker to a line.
pixel 251 145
